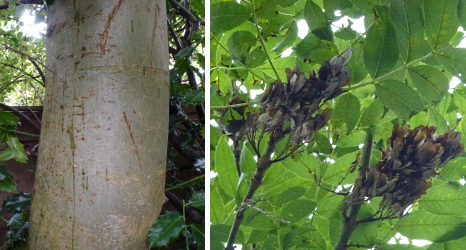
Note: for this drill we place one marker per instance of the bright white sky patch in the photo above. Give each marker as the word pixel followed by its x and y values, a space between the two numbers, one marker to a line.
pixel 211 174
pixel 303 29
pixel 255 92
pixel 453 83
pixel 29 28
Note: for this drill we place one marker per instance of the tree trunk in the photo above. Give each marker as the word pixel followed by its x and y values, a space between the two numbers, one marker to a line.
pixel 101 167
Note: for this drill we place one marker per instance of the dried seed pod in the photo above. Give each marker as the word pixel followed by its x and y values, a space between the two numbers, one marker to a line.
pixel 408 163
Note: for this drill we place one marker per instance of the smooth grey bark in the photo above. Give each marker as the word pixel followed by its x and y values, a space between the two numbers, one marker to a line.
pixel 101 167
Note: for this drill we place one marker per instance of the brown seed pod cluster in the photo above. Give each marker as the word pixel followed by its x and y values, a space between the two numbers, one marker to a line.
pixel 291 106
pixel 411 159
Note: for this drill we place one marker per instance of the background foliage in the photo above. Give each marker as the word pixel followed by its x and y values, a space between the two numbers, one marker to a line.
pixel 22 83
pixel 401 70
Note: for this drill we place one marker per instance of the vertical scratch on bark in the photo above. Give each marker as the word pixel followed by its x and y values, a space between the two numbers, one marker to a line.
pixel 130 132
pixel 111 16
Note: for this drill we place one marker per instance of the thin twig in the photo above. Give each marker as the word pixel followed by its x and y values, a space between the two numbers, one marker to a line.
pixel 37 92
pixel 261 39
pixel 19 114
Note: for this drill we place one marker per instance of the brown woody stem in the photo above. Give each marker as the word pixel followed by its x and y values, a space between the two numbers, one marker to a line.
pixel 263 164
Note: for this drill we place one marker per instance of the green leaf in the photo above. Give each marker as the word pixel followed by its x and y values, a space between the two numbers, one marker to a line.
pixel 194 97
pixel 15 150
pixel 222 79
pixel 217 207
pixel 288 39
pixel 18 225
pixel 167 228
pixel 421 224
pixel 454 60
pixel 346 33
pixel 17 202
pixel 247 163
pixel 298 236
pixel 239 43
pixel 462 12
pixel 399 98
pixel 455 169
pixel 296 168
pixel 225 167
pixel 219 235
pixel 347 109
pixel 6 181
pixel 197 200
pixel 372 115
pixel 435 118
pixel 439 199
pixel 317 21
pixel 185 52
pixel 297 210
pixel 303 49
pixel 380 50
pixel 227 15
pixel 8 119
pixel 451 244
pixel 430 82
pixel 409 22
pixel 198 234
pixel 256 58
pixel 441 21
pixel 291 194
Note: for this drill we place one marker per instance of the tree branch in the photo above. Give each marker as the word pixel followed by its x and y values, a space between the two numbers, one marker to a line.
pixel 350 222
pixel 263 164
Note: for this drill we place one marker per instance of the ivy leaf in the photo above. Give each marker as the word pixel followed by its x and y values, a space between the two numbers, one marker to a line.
pixel 227 15
pixel 225 167
pixel 348 110
pixel 399 97
pixel 17 202
pixel 167 228
pixel 317 21
pixel 441 24
pixel 430 82
pixel 194 97
pixel 197 200
pixel 15 150
pixel 18 225
pixel 380 52
pixel 198 235
pixel 6 181
pixel 288 39
pixel 8 119
pixel 408 18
